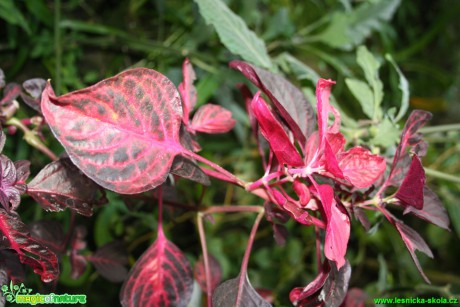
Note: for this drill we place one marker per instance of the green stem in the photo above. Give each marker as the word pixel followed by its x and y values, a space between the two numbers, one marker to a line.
pixel 441 175
pixel 31 138
pixel 57 44
pixel 442 128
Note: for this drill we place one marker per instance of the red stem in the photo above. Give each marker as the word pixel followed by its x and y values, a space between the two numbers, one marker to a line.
pixel 244 264
pixel 205 258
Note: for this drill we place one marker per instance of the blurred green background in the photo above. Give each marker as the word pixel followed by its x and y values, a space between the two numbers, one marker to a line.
pixel 76 43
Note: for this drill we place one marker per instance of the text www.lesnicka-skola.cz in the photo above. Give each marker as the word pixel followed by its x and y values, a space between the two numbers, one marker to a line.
pixel 416 300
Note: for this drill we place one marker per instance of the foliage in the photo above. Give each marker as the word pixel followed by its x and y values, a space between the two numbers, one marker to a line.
pixel 139 135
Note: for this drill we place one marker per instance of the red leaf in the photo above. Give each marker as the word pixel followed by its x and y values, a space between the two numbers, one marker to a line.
pixel 410 193
pixel 337 229
pixel 16 236
pixel 433 211
pixel 187 90
pixel 302 192
pixel 110 261
pixel 215 272
pixel 212 118
pixel 360 167
pixel 61 185
pixel 122 132
pixel 288 99
pixel 276 136
pixel 309 294
pixel 161 277
pixel 413 242
pixel 226 293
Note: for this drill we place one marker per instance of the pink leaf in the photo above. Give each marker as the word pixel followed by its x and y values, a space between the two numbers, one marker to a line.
pixel 276 136
pixel 413 242
pixel 187 90
pixel 288 100
pixel 360 167
pixel 307 294
pixel 215 272
pixel 161 277
pixel 433 211
pixel 410 193
pixel 16 236
pixel 323 91
pixel 302 192
pixel 337 229
pixel 10 93
pixel 61 185
pixel 212 118
pixel 122 132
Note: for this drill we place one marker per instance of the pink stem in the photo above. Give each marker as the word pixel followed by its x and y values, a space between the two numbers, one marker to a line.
pixel 264 180
pixel 205 258
pixel 160 211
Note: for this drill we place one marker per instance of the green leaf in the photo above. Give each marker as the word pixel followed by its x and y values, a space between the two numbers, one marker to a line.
pixel 386 134
pixel 371 66
pixel 363 94
pixel 403 86
pixel 351 28
pixel 234 33
pixel 10 13
pixel 301 70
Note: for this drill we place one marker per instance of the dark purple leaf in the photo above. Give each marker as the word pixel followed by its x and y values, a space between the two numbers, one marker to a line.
pixel 288 99
pixel 49 233
pixel 355 298
pixel 362 217
pixel 11 188
pixel 78 262
pixel 22 170
pixel 329 288
pixel 211 118
pixel 226 293
pixel 266 294
pixel 416 120
pixel 410 193
pixel 9 263
pixel 187 90
pixel 110 261
pixel 433 211
pixel 2 139
pixel 280 233
pixel 122 132
pixel 399 171
pixel 10 93
pixel 187 168
pixel 34 89
pixel 2 79
pixel 413 242
pixel 61 185
pixel 275 134
pixel 215 272
pixel 161 277
pixel 15 235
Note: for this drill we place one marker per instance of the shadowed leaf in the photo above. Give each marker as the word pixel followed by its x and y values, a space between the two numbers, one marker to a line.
pixel 161 277
pixel 61 185
pixel 110 261
pixel 433 211
pixel 225 294
pixel 122 132
pixel 413 242
pixel 16 236
pixel 34 89
pixel 49 233
pixel 214 269
pixel 288 99
pixel 187 90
